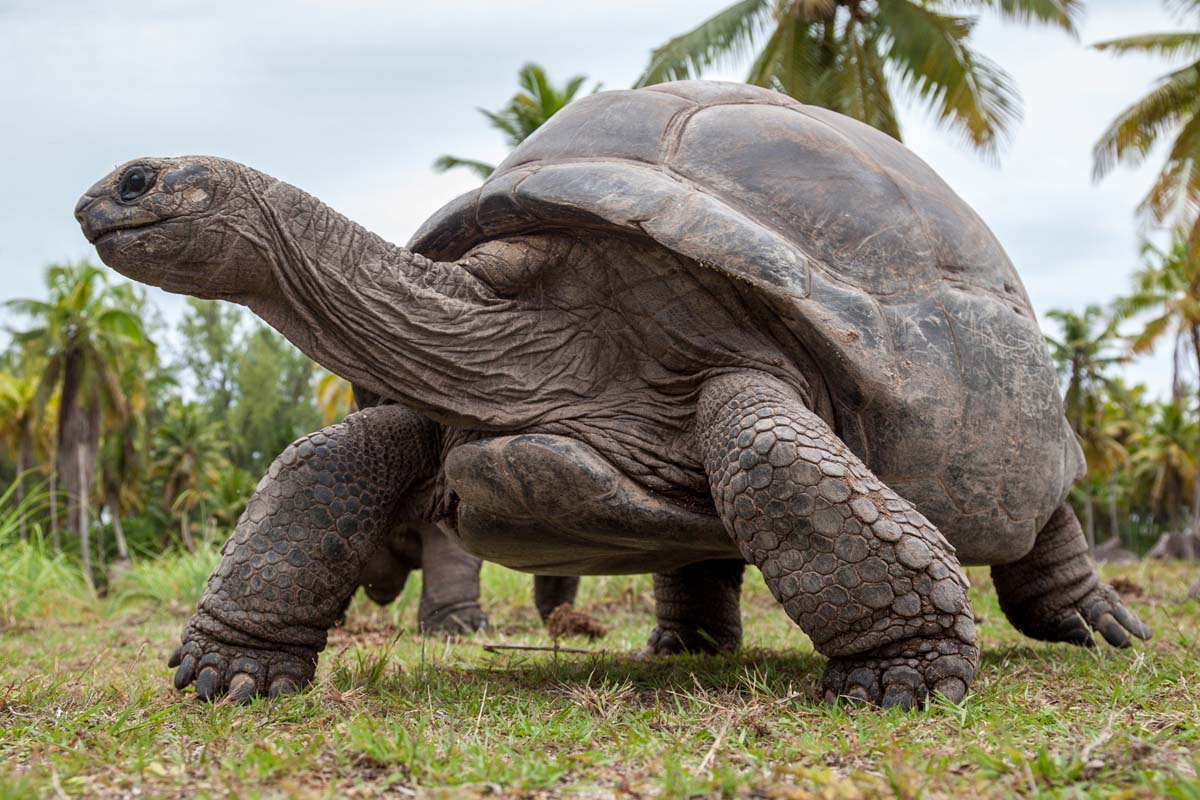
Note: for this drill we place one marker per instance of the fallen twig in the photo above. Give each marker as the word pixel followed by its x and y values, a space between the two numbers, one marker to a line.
pixel 494 648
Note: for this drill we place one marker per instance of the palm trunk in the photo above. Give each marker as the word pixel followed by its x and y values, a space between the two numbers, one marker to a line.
pixel 54 539
pixel 185 532
pixel 1089 516
pixel 1196 480
pixel 22 466
pixel 81 507
pixel 1114 523
pixel 78 443
pixel 114 508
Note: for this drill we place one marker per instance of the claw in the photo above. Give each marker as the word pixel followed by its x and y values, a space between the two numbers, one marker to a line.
pixel 1112 630
pixel 1076 631
pixel 185 673
pixel 207 685
pixel 1131 623
pixel 281 686
pixel 953 689
pixel 176 657
pixel 241 688
pixel 858 693
pixel 899 696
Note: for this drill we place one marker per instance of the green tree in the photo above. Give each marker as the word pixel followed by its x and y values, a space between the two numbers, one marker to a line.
pixel 335 397
pixel 275 399
pixel 524 113
pixel 18 423
pixel 1170 111
pixel 857 56
pixel 81 334
pixel 190 460
pixel 211 333
pixel 1165 462
pixel 127 444
pixel 1167 289
pixel 1085 353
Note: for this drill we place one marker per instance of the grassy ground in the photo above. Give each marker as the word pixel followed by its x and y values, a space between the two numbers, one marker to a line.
pixel 86 707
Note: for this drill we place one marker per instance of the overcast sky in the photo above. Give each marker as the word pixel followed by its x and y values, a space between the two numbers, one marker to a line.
pixel 353 99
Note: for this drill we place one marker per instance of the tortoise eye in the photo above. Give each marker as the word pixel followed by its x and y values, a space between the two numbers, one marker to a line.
pixel 134 183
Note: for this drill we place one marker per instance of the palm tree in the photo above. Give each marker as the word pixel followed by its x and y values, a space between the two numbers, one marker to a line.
pixel 1167 287
pixel 1084 353
pixel 856 56
pixel 191 457
pixel 229 496
pixel 81 333
pixel 1165 462
pixel 1171 109
pixel 122 461
pixel 18 421
pixel 335 397
pixel 525 112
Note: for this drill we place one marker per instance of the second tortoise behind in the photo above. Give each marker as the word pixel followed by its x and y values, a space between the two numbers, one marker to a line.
pixel 679 327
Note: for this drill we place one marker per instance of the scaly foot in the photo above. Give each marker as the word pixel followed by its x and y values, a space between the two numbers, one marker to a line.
pixel 905 674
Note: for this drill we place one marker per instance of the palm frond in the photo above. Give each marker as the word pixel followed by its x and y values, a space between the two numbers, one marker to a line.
pixel 1134 132
pixel 1162 44
pixel 966 91
pixel 444 163
pixel 1065 14
pixel 1177 188
pixel 724 37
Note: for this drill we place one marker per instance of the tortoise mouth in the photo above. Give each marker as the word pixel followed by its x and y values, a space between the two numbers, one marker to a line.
pixel 106 234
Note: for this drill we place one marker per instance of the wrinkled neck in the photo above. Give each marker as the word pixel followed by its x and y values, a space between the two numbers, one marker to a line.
pixel 379 315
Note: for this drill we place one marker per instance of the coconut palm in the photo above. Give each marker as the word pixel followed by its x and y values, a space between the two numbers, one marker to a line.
pixel 335 397
pixel 1170 111
pixel 1167 288
pixel 191 457
pixel 123 467
pixel 18 420
pixel 1165 462
pixel 81 334
pixel 525 112
pixel 1084 354
pixel 857 56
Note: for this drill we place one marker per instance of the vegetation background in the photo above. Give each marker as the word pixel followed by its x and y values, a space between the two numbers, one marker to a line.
pixel 131 440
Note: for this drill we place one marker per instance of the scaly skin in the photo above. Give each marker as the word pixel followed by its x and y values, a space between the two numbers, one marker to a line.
pixel 869 579
pixel 698 609
pixel 298 552
pixel 1053 593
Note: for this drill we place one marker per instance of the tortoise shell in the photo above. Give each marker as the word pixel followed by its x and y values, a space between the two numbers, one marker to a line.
pixel 928 344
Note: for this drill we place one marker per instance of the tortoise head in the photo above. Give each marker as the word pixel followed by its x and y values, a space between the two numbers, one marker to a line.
pixel 185 224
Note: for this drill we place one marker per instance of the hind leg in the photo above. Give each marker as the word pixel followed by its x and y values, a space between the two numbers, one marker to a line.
pixel 1053 593
pixel 698 608
pixel 386 572
pixel 449 585
pixel 869 579
pixel 551 591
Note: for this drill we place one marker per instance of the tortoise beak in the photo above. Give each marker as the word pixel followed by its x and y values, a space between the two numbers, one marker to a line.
pixel 90 230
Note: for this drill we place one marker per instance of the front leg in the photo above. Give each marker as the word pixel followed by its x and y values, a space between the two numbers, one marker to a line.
pixel 869 579
pixel 298 553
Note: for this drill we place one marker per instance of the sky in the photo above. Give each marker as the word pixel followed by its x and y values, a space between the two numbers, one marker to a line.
pixel 352 100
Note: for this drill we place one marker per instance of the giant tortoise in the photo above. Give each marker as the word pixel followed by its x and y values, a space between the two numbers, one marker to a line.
pixel 679 328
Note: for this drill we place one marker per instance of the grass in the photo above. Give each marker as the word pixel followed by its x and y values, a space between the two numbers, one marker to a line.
pixel 86 707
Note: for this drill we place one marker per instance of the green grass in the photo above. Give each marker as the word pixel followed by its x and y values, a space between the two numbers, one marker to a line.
pixel 86 707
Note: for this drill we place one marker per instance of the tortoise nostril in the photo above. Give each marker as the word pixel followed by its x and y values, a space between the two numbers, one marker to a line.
pixel 82 206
